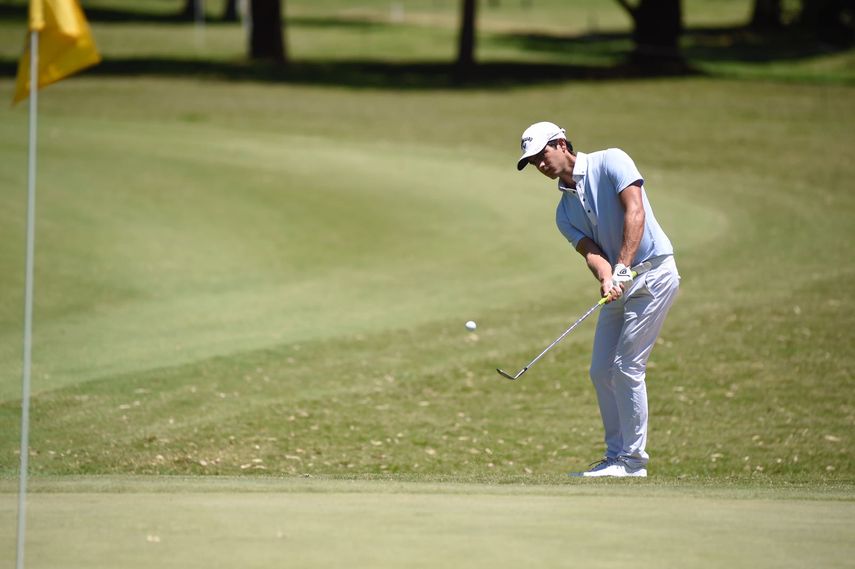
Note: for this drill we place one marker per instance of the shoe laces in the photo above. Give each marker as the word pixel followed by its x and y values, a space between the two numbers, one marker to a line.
pixel 605 461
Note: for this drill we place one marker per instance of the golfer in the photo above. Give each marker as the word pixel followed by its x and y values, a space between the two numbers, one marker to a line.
pixel 604 213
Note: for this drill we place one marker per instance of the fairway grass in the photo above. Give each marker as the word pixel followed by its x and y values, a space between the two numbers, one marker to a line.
pixel 188 523
pixel 254 263
pixel 210 300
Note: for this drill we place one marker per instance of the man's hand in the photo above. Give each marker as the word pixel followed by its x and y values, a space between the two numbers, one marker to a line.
pixel 620 280
pixel 608 291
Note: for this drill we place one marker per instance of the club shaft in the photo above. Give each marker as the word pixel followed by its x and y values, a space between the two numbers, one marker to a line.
pixel 640 268
pixel 561 337
pixel 550 346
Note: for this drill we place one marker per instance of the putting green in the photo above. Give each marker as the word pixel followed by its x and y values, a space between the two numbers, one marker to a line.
pixel 188 523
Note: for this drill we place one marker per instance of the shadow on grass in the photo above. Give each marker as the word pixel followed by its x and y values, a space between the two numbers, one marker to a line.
pixel 729 43
pixel 745 45
pixel 371 74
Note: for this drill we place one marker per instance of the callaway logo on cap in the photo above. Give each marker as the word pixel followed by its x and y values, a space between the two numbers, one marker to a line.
pixel 535 138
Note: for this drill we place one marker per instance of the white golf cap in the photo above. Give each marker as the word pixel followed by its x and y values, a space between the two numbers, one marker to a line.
pixel 535 138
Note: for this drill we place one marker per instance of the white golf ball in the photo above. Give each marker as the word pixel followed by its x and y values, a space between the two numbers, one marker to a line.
pixel 471 325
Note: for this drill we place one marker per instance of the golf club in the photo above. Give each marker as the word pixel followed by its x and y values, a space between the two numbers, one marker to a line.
pixel 637 270
pixel 561 337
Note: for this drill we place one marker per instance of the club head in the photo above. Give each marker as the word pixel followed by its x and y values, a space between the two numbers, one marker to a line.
pixel 509 376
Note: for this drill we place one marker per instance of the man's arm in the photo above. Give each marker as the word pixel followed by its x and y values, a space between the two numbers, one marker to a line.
pixel 597 263
pixel 633 229
pixel 633 223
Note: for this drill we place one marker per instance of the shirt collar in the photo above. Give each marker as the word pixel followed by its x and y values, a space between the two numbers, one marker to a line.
pixel 580 169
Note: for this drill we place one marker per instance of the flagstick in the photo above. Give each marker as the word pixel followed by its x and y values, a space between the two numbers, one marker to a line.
pixel 28 300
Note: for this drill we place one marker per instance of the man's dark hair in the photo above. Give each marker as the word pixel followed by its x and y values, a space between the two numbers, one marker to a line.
pixel 554 144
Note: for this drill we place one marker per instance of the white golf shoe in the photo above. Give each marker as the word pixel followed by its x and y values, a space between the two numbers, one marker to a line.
pixel 611 467
pixel 596 466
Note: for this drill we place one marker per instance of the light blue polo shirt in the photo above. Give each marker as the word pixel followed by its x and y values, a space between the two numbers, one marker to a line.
pixel 594 209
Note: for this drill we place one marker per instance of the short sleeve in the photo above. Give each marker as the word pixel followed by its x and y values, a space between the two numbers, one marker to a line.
pixel 566 228
pixel 621 170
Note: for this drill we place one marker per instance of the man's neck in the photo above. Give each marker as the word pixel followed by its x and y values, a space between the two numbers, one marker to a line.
pixel 567 177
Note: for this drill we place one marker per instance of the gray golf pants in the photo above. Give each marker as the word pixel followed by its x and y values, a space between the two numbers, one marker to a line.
pixel 626 332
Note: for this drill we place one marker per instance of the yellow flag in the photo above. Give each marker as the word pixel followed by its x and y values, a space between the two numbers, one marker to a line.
pixel 65 44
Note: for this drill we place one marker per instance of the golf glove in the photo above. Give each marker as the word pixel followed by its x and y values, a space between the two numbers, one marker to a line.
pixel 621 276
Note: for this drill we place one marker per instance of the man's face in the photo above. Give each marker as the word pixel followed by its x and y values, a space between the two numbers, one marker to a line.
pixel 551 161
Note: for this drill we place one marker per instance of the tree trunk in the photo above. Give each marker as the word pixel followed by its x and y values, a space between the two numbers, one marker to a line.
pixel 466 40
pixel 829 20
pixel 658 25
pixel 188 12
pixel 267 40
pixel 766 15
pixel 192 9
pixel 230 12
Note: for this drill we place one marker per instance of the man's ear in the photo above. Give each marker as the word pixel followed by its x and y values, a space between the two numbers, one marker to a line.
pixel 565 146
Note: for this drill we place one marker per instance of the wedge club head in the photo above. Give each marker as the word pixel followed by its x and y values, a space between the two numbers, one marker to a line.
pixel 512 377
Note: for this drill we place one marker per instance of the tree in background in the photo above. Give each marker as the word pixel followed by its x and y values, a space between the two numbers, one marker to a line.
pixel 188 12
pixel 466 39
pixel 657 26
pixel 766 15
pixel 831 21
pixel 267 41
pixel 230 11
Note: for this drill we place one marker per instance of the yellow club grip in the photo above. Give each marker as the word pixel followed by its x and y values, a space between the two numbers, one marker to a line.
pixel 603 300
